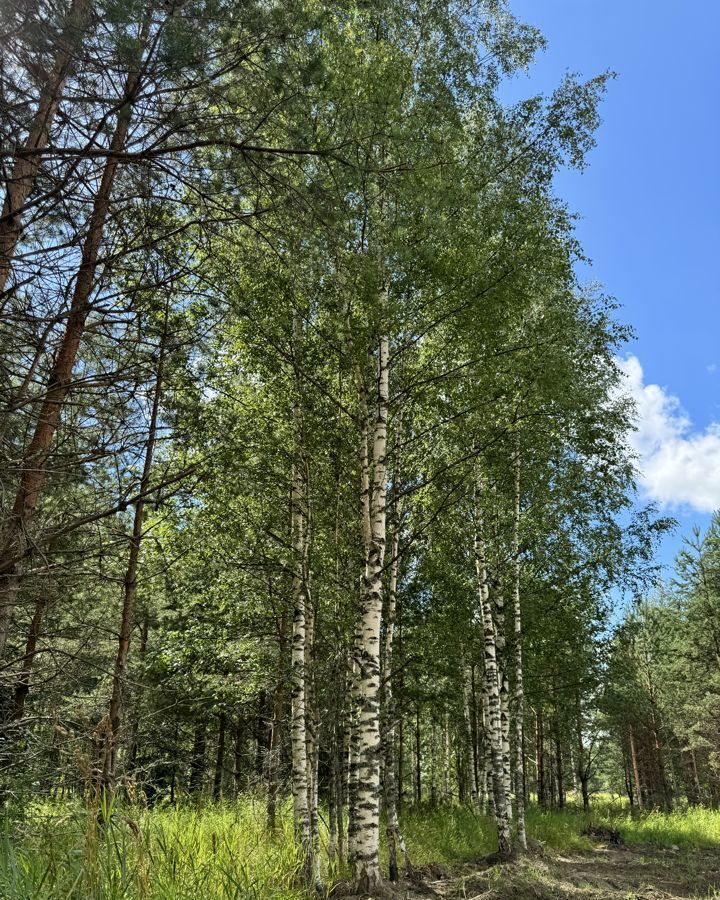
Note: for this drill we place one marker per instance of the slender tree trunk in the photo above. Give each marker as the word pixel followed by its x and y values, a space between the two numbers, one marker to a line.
pixel 220 759
pixel 487 750
pixel 23 684
pixel 695 776
pixel 474 737
pixel 540 756
pixel 447 787
pixel 301 764
pixel 135 725
pixel 300 786
pixel 59 380
pixel 341 793
pixel 468 763
pixel 366 863
pixel 559 768
pixel 628 777
pixel 273 763
pixel 332 803
pixel 504 689
pixel 27 163
pixel 197 758
pixel 262 738
pixel 239 742
pixel 312 722
pixel 519 686
pixel 433 762
pixel 19 398
pixel 583 766
pixel 394 836
pixel 635 766
pixel 130 585
pixel 492 688
pixel 418 757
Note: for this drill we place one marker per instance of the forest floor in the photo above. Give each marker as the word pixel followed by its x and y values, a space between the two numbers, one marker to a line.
pixel 604 873
pixel 53 849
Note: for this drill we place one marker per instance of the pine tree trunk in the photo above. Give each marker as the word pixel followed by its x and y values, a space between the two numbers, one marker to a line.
pixel 135 725
pixel 59 380
pixel 23 684
pixel 27 163
pixel 635 767
pixel 115 711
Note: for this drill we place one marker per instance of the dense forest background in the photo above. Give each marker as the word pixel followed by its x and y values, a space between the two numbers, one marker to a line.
pixel 315 475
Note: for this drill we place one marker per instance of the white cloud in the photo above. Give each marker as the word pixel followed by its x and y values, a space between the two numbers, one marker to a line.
pixel 680 467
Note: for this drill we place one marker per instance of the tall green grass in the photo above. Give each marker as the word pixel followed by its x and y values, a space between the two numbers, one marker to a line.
pixel 685 827
pixel 225 851
pixel 183 853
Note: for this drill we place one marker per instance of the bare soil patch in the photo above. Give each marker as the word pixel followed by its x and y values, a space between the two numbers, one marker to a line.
pixel 605 873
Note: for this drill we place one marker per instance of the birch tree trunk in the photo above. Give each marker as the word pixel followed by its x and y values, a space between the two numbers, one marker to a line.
pixel 492 689
pixel 540 759
pixel 394 835
pixel 487 749
pixel 311 717
pixel 27 161
pixel 301 782
pixel 355 664
pixel 366 863
pixel 277 722
pixel 498 608
pixel 519 686
pixel 468 754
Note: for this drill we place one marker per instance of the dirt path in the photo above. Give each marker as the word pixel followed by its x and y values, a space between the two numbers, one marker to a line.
pixel 607 873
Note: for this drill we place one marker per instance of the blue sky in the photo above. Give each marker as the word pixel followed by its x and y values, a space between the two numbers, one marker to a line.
pixel 649 202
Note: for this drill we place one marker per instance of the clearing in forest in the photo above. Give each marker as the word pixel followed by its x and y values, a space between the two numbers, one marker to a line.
pixel 605 873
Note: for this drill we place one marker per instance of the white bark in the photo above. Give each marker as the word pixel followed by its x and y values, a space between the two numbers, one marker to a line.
pixel 519 686
pixel 492 688
pixel 504 689
pixel 366 863
pixel 301 782
pixel 394 835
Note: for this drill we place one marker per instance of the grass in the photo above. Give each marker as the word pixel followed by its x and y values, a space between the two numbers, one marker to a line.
pixel 224 851
pixel 686 827
pixel 183 853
